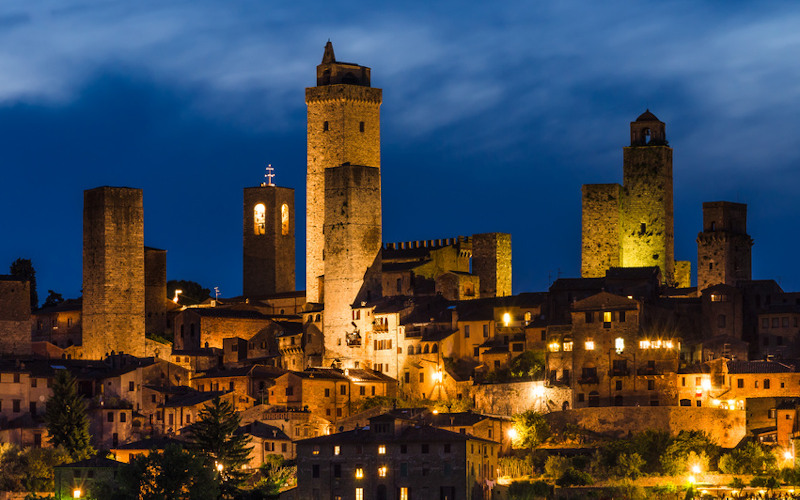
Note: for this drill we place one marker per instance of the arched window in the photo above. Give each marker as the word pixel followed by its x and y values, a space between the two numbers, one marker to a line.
pixel 594 399
pixel 426 350
pixel 411 349
pixel 259 219
pixel 565 406
pixel 435 348
pixel 284 219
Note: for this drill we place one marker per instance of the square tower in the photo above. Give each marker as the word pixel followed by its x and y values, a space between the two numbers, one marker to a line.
pixel 491 262
pixel 268 241
pixel 113 313
pixel 343 128
pixel 723 247
pixel 155 291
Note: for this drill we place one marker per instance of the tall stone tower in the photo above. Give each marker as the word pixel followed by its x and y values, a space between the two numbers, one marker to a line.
pixel 268 240
pixel 491 261
pixel 632 225
pixel 648 237
pixel 343 128
pixel 155 291
pixel 113 314
pixel 723 247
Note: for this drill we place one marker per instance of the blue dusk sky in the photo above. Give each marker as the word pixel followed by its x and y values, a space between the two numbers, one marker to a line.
pixel 494 114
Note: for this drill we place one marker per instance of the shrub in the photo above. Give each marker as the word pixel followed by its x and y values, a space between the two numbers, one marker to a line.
pixel 573 477
pixel 555 466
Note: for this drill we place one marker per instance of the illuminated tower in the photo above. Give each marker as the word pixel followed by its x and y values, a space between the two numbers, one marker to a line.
pixel 113 314
pixel 723 247
pixel 343 127
pixel 268 239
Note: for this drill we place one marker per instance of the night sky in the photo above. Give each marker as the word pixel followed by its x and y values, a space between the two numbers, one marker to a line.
pixel 494 114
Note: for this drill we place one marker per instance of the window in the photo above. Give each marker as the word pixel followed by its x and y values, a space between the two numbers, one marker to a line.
pixel 404 493
pixel 259 219
pixel 486 331
pixel 361 126
pixel 589 345
pixel 421 378
pixel 407 377
pixel 382 449
pixel 619 344
pixel 110 416
pixel 343 390
pixel 123 417
pixel 315 470
pixel 466 331
pixel 362 391
pixel 764 322
pixel 131 386
pixel 290 391
pixel 589 317
pixel 425 448
pixel 284 219
pixel 775 322
pixel 315 450
pixel 337 470
pixel 621 316
pixel 476 352
pixel 327 393
pixel 337 449
pixel 618 385
pixel 325 126
pixel 15 405
pixel 607 316
pixel 359 472
pixel 567 345
pixel 766 383
pixel 651 385
pixel 382 471
pixel 403 448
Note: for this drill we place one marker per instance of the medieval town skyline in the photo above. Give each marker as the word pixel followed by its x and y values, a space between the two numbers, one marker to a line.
pixel 494 119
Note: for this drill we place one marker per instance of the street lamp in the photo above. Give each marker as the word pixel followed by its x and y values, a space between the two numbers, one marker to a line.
pixel 76 493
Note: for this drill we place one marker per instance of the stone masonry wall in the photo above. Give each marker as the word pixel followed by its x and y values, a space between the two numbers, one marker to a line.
pixel 155 290
pixel 113 272
pixel 600 220
pixel 15 317
pixel 516 397
pixel 335 137
pixel 491 261
pixel 723 247
pixel 269 257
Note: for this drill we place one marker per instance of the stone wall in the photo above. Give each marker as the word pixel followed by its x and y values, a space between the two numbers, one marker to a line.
pixel 113 272
pixel 726 427
pixel 15 316
pixel 723 247
pixel 352 253
pixel 683 273
pixel 516 397
pixel 491 261
pixel 268 250
pixel 600 238
pixel 335 136
pixel 155 291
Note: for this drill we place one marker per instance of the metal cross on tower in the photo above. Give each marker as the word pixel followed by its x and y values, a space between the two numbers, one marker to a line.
pixel 269 175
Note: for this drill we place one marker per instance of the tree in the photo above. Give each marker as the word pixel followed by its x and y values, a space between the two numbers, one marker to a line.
pixel 573 477
pixel 23 269
pixel 53 299
pixel 214 436
pixel 529 364
pixel 629 465
pixel 65 415
pixel 191 292
pixel 276 475
pixel 687 448
pixel 555 466
pixel 532 429
pixel 752 458
pixel 174 474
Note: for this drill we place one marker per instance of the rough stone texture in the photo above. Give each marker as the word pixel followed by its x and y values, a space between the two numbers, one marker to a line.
pixel 335 116
pixel 644 208
pixel 269 257
pixel 352 253
pixel 726 427
pixel 723 247
pixel 516 397
pixel 15 316
pixel 683 273
pixel 491 262
pixel 457 286
pixel 600 222
pixel 155 291
pixel 113 272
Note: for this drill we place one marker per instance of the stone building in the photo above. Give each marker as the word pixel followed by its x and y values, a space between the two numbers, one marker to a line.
pixel 491 261
pixel 723 247
pixel 113 317
pixel 632 225
pixel 268 240
pixel 155 291
pixel 395 459
pixel 15 316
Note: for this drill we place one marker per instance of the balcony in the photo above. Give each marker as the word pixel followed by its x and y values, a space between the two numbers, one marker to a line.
pixel 353 339
pixel 589 379
pixel 649 370
pixel 620 372
pixel 380 328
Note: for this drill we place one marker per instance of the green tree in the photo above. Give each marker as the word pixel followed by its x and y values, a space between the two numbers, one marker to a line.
pixel 191 292
pixel 65 415
pixel 174 474
pixel 629 465
pixel 528 490
pixel 651 445
pixel 53 299
pixel 23 269
pixel 573 477
pixel 556 465
pixel 529 364
pixel 752 458
pixel 687 449
pixel 214 436
pixel 532 429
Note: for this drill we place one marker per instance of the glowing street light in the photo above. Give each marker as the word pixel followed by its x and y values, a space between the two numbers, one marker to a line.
pixel 177 292
pixel 219 467
pixel 538 391
pixel 512 434
pixel 696 469
pixel 788 455
pixel 76 493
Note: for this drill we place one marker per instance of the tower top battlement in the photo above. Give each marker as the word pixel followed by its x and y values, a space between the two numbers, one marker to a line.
pixel 648 130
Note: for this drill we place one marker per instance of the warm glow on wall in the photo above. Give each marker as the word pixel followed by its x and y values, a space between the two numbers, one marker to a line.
pixel 506 319
pixel 589 345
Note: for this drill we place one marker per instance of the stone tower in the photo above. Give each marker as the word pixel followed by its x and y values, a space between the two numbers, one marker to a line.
pixel 268 241
pixel 155 291
pixel 343 128
pixel 647 220
pixel 723 247
pixel 491 262
pixel 632 225
pixel 113 313
pixel 15 316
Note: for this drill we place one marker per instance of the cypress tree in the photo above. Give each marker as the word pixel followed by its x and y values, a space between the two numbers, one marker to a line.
pixel 214 436
pixel 65 415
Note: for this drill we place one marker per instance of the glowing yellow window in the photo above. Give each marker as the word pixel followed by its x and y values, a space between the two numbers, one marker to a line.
pixel 568 346
pixel 607 317
pixel 259 219
pixel 382 449
pixel 554 346
pixel 403 493
pixel 284 219
pixel 506 319
pixel 359 472
pixel 315 451
pixel 619 344
pixel 644 344
pixel 337 450
pixel 382 471
pixel 359 493
pixel 589 345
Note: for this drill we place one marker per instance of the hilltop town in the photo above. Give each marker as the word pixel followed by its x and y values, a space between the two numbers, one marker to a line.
pixel 402 370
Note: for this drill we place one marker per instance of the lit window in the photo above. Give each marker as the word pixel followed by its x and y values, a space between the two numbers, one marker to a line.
pixel 260 219
pixel 644 344
pixel 619 344
pixel 506 319
pixel 554 346
pixel 382 449
pixel 359 472
pixel 568 346
pixel 589 345
pixel 382 471
pixel 315 451
pixel 607 317
pixel 359 491
pixel 403 493
pixel 668 344
pixel 284 219
pixel 337 450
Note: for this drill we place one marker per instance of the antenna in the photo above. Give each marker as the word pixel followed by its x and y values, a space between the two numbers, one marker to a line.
pixel 269 175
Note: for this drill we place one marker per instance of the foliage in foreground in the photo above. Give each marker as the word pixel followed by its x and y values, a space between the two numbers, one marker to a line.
pixel 750 458
pixel 532 429
pixel 29 469
pixel 65 415
pixel 528 490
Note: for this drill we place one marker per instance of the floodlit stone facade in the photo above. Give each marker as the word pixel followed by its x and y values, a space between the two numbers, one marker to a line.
pixel 268 241
pixel 723 247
